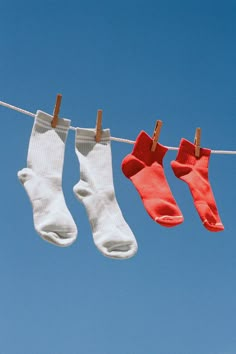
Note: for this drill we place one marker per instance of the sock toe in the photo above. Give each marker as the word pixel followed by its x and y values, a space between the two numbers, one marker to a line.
pixel 213 227
pixel 169 221
pixel 119 249
pixel 210 219
pixel 62 239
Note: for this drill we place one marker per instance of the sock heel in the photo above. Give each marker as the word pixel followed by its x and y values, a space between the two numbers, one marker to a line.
pixel 180 170
pixel 25 174
pixel 131 165
pixel 82 190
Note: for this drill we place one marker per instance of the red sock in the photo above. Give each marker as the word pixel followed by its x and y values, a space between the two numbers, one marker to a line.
pixel 194 171
pixel 144 168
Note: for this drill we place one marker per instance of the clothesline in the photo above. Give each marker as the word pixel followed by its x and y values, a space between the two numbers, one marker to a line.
pixel 121 140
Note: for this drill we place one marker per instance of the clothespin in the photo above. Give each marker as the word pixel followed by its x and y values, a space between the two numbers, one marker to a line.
pixel 98 125
pixel 56 111
pixel 197 142
pixel 156 134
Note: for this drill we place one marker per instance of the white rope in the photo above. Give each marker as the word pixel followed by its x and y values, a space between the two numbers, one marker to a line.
pixel 121 140
pixel 17 109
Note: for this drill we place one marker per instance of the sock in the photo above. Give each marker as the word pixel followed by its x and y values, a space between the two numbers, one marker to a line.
pixel 111 233
pixel 145 169
pixel 194 171
pixel 42 180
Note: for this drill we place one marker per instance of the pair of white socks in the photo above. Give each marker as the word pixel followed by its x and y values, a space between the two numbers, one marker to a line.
pixel 42 180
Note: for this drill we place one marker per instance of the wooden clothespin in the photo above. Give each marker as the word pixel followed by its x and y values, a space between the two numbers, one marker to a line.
pixel 197 142
pixel 98 125
pixel 156 134
pixel 56 111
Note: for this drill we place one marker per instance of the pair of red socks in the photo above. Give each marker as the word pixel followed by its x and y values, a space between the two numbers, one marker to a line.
pixel 145 169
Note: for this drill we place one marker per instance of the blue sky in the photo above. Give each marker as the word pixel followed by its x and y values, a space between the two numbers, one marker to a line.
pixel 138 61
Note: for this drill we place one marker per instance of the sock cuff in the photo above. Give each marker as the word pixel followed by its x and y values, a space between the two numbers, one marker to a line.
pixel 44 120
pixel 88 135
pixel 188 148
pixel 142 148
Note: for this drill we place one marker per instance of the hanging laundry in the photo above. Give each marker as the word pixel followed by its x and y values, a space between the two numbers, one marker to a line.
pixel 111 234
pixel 42 180
pixel 194 171
pixel 145 169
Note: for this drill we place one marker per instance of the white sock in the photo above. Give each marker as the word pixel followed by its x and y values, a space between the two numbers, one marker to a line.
pixel 42 180
pixel 95 190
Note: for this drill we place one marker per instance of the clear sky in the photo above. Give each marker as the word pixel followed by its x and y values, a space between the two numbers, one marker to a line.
pixel 139 61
